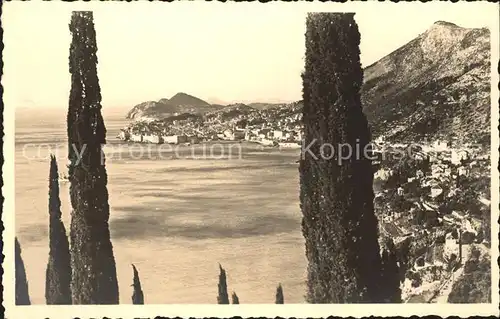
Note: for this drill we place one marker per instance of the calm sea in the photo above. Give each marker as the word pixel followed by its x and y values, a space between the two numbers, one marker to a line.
pixel 176 219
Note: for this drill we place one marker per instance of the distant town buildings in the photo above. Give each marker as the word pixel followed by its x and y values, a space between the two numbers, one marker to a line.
pixel 174 139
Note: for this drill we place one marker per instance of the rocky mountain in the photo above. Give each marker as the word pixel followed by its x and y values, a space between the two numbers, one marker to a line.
pixel 435 86
pixel 177 104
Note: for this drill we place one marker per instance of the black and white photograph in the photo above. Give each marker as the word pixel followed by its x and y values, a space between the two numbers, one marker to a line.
pixel 279 154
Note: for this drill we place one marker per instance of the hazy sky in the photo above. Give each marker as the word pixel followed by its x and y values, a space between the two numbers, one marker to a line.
pixel 229 52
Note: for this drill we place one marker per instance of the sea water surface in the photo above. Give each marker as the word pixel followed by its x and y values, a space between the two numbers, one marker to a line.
pixel 176 219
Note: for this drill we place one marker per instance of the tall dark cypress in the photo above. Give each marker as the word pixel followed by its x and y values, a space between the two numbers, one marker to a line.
pixel 58 274
pixel 22 295
pixel 336 195
pixel 222 297
pixel 94 271
pixel 280 299
pixel 137 295
pixel 235 298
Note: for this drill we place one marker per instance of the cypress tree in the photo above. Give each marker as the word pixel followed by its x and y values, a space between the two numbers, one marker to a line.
pixel 280 299
pixel 137 295
pixel 235 298
pixel 336 194
pixel 223 297
pixel 58 274
pixel 94 271
pixel 22 295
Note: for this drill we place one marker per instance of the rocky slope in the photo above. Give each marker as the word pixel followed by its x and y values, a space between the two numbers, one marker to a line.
pixel 437 85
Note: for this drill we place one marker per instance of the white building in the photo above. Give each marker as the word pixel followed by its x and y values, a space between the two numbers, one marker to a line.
pixel 124 135
pixel 228 134
pixel 462 170
pixel 440 145
pixel 383 174
pixel 380 140
pixel 400 191
pixel 174 139
pixel 136 137
pixel 436 191
pixel 151 138
pixel 419 173
pixel 277 134
pixel 458 156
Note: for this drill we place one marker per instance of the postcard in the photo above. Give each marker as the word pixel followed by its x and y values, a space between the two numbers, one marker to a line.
pixel 208 159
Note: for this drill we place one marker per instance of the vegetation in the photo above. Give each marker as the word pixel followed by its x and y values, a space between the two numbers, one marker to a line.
pixel 223 297
pixel 339 224
pixel 94 272
pixel 58 274
pixel 137 295
pixel 235 298
pixel 22 295
pixel 280 299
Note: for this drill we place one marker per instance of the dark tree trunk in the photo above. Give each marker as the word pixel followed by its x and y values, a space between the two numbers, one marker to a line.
pixel 58 274
pixel 336 194
pixel 94 271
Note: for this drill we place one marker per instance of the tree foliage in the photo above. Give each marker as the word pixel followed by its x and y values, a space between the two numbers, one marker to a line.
pixel 94 271
pixel 235 298
pixel 22 295
pixel 58 273
pixel 336 195
pixel 280 299
pixel 137 295
pixel 223 297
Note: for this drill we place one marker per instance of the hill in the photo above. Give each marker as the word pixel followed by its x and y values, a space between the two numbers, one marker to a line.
pixel 435 86
pixel 178 104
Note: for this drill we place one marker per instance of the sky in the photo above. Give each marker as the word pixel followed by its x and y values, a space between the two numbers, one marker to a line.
pixel 238 52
